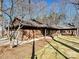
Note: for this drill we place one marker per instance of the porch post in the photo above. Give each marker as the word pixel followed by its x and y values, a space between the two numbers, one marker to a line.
pixel 45 32
pixel 77 32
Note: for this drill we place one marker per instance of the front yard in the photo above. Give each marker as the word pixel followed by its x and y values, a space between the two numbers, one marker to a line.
pixel 46 48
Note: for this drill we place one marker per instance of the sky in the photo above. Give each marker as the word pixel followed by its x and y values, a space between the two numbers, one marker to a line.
pixel 70 11
pixel 50 1
pixel 69 8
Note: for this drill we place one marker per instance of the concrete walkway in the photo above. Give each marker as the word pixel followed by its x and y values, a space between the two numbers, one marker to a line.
pixel 6 42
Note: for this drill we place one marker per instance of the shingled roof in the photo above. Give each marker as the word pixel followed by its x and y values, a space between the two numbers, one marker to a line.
pixel 28 24
pixel 33 24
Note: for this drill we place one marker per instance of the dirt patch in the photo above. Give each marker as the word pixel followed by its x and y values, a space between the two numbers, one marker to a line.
pixel 21 52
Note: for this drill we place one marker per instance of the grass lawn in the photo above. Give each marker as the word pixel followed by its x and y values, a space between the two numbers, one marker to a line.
pixel 49 52
pixel 44 49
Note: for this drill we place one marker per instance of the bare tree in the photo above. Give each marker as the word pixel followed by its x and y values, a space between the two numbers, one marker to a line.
pixel 1 18
pixel 9 12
